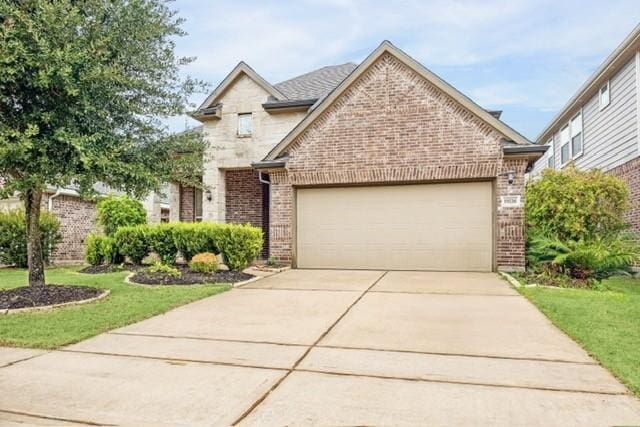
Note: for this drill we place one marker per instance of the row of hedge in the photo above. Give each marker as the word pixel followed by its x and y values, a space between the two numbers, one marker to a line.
pixel 239 244
pixel 13 237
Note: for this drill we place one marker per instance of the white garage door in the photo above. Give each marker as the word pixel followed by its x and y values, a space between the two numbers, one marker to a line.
pixel 444 227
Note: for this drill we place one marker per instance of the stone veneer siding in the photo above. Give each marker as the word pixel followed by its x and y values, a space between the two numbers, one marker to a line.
pixel 77 220
pixel 630 173
pixel 393 126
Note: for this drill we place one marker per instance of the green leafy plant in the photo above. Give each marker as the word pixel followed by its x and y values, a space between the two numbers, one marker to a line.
pixel 160 268
pixel 161 241
pixel 240 244
pixel 13 237
pixel 133 242
pixel 271 261
pixel 597 258
pixel 194 238
pixel 119 211
pixel 101 250
pixel 82 85
pixel 576 205
pixel 205 262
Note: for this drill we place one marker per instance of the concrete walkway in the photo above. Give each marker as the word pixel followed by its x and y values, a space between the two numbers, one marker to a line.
pixel 311 347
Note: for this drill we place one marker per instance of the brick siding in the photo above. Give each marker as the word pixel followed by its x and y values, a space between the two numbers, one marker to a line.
pixel 244 199
pixel 187 204
pixel 630 174
pixel 77 220
pixel 392 125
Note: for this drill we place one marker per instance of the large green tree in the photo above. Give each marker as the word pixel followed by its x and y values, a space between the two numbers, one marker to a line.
pixel 84 85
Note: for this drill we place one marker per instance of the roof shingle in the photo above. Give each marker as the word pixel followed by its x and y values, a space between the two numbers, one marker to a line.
pixel 315 84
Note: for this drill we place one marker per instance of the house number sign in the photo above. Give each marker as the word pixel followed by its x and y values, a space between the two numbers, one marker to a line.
pixel 511 201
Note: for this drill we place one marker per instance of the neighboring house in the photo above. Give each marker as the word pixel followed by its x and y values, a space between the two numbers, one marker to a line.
pixel 381 165
pixel 77 218
pixel 600 125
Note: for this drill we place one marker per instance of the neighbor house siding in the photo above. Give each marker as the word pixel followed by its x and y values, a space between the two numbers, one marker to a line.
pixel 610 136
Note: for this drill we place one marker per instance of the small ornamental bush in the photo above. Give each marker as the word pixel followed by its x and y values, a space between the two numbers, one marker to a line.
pixel 160 268
pixel 120 211
pixel 161 241
pixel 133 242
pixel 240 244
pixel 101 250
pixel 13 237
pixel 194 238
pixel 205 262
pixel 576 205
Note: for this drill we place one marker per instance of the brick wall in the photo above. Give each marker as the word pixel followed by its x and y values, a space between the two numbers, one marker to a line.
pixel 187 204
pixel 244 199
pixel 77 219
pixel 630 173
pixel 392 125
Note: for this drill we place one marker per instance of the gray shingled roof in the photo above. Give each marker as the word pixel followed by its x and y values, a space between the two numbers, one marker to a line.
pixel 315 84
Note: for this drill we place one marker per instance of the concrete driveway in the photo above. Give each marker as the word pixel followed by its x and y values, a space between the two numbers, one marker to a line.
pixel 319 347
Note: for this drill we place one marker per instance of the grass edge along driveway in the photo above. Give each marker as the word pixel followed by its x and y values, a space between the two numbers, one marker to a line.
pixel 126 304
pixel 605 323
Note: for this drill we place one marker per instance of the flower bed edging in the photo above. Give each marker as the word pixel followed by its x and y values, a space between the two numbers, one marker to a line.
pixel 8 311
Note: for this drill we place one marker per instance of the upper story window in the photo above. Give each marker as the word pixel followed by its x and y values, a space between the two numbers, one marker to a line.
pixel 245 125
pixel 551 161
pixel 605 95
pixel 576 135
pixel 565 153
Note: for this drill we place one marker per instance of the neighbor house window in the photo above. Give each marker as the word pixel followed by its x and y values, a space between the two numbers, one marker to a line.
pixel 245 127
pixel 576 135
pixel 605 95
pixel 565 153
pixel 551 161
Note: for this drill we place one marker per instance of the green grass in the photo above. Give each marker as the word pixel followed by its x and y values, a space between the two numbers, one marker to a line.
pixel 126 304
pixel 605 323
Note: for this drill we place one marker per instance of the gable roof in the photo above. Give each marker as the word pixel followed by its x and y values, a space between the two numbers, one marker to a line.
pixel 315 84
pixel 620 56
pixel 241 68
pixel 388 47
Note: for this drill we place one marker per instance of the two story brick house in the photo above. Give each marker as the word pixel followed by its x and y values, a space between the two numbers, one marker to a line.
pixel 599 127
pixel 381 165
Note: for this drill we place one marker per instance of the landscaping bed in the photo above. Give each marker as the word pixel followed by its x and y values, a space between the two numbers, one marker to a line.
pixel 41 296
pixel 109 268
pixel 188 277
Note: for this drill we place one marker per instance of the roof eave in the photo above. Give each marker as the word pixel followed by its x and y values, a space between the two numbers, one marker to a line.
pixel 629 46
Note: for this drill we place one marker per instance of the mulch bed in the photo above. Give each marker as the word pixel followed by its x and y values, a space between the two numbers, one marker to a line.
pixel 110 268
pixel 39 296
pixel 188 277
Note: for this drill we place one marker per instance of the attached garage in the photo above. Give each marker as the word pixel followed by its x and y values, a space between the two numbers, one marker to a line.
pixel 396 227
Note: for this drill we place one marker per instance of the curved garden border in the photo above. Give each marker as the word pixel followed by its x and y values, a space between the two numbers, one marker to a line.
pixel 8 311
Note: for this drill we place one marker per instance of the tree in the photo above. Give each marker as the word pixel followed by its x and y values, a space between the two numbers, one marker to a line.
pixel 83 87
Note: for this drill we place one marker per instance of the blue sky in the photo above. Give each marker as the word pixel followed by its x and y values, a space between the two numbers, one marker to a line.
pixel 525 57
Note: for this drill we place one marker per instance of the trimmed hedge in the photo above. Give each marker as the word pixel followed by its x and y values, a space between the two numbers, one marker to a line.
pixel 102 250
pixel 133 242
pixel 120 211
pixel 13 237
pixel 239 244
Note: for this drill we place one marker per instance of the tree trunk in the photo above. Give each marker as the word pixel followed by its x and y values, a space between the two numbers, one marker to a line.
pixel 32 203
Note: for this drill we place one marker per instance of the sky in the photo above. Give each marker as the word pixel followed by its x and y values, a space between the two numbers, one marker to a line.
pixel 524 57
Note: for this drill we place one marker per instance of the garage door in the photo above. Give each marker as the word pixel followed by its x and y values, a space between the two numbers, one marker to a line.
pixel 444 227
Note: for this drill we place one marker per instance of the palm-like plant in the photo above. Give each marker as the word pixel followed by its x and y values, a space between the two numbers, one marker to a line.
pixel 597 258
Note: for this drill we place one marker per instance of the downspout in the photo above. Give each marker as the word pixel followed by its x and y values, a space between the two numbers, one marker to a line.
pixel 262 180
pixel 59 192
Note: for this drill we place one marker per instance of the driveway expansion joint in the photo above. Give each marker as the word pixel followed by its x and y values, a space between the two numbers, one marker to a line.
pixel 180 337
pixel 306 353
pixel 51 418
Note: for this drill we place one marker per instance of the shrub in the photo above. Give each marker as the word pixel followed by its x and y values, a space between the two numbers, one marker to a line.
pixel 161 241
pixel 13 237
pixel 161 268
pixel 132 242
pixel 204 262
pixel 597 258
pixel 194 238
pixel 120 211
pixel 101 250
pixel 575 205
pixel 240 244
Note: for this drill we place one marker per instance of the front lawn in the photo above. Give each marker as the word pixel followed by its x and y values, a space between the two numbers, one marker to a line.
pixel 605 323
pixel 126 304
